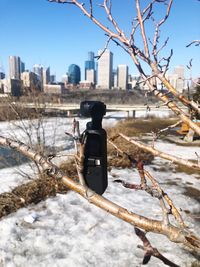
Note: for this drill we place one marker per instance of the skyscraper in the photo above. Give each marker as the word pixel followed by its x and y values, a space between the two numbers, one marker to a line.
pixel 74 74
pixel 89 64
pixel 90 76
pixel 46 75
pixel 22 67
pixel 38 69
pixel 122 77
pixel 14 67
pixel 105 68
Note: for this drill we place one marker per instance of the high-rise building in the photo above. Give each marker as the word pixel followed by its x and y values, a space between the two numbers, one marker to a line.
pixel 30 82
pixel 90 76
pixel 14 67
pixel 38 69
pixel 114 78
pixel 53 78
pixel 89 64
pixel 91 56
pixel 74 74
pixel 22 67
pixel 46 75
pixel 105 69
pixel 122 77
pixel 12 87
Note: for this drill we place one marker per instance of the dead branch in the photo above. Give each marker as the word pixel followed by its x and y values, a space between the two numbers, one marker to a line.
pixel 151 251
pixel 163 155
pixel 155 190
pixel 138 164
pixel 168 128
pixel 103 51
pixel 174 233
pixel 196 42
pixel 142 29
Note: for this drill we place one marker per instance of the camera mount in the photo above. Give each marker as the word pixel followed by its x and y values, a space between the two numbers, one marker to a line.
pixel 95 140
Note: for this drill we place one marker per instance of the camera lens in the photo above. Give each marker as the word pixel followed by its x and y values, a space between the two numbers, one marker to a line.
pixel 92 109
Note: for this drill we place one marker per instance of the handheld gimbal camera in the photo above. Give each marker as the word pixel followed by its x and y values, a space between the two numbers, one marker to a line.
pixel 95 141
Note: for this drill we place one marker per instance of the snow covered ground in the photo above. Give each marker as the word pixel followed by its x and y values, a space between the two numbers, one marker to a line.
pixel 69 231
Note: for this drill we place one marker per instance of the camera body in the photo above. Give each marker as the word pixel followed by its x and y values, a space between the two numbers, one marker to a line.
pixel 95 141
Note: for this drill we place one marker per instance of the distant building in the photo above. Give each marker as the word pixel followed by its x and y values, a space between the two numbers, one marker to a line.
pixel 46 77
pixel 38 69
pixel 14 67
pixel 89 64
pixel 122 75
pixel 54 89
pixel 177 78
pixel 53 78
pixel 114 79
pixel 90 76
pixel 86 85
pixel 74 74
pixel 180 82
pixel 105 69
pixel 30 82
pixel 12 87
pixel 2 75
pixel 22 67
pixel 172 78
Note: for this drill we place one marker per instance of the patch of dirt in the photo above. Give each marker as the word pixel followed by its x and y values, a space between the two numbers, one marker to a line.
pixel 192 192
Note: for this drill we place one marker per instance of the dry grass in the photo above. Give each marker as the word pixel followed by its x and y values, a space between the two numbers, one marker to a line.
pixel 35 191
pixel 7 113
pixel 132 127
pixel 138 127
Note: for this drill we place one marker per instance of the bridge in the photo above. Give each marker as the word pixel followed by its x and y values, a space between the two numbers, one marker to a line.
pixel 69 108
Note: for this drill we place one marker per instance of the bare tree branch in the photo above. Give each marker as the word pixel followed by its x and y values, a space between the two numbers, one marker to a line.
pixel 172 232
pixel 155 190
pixel 157 153
pixel 151 251
pixel 196 42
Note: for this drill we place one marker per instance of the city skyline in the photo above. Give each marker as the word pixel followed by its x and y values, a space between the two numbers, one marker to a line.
pixel 59 35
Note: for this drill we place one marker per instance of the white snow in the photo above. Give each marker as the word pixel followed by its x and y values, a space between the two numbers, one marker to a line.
pixel 69 231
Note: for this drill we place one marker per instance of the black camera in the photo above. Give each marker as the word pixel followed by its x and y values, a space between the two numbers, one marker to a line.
pixel 95 141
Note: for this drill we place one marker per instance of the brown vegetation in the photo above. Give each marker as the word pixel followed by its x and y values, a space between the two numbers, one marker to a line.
pixel 35 191
pixel 10 112
pixel 136 128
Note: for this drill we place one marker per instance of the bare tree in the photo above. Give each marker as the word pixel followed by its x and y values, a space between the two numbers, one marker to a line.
pixel 163 155
pixel 149 53
pixel 31 129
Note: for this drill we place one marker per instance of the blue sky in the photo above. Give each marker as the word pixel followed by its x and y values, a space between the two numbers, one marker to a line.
pixel 58 35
